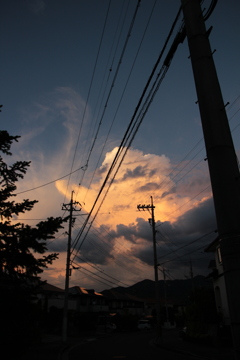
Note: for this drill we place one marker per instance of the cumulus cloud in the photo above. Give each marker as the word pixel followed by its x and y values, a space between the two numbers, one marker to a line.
pixel 119 241
pixel 178 243
pixel 181 218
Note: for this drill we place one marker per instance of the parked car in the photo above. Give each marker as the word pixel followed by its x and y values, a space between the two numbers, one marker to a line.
pixel 144 325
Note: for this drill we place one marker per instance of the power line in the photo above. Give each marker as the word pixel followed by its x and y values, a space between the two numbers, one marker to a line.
pixel 92 277
pixel 188 244
pixel 50 182
pixel 111 168
pixel 99 276
pixel 132 67
pixel 89 90
pixel 186 254
pixel 106 243
pixel 103 272
pixel 82 167
pixel 137 122
pixel 91 146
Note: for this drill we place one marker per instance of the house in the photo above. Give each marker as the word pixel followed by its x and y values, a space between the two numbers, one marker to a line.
pixel 88 300
pixel 124 304
pixel 217 276
pixel 50 296
pixel 79 299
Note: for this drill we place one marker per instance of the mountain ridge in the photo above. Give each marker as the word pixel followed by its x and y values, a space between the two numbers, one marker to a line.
pixel 177 291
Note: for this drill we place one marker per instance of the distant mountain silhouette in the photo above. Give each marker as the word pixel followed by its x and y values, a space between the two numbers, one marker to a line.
pixel 178 291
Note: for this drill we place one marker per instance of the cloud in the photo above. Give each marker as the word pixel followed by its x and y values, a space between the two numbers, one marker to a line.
pixel 181 218
pixel 199 219
pixel 98 248
pixel 182 239
pixel 58 245
pixel 178 243
pixel 135 232
pixel 148 187
pixel 50 148
pixel 60 114
pixel 139 171
pixel 119 241
pixel 171 191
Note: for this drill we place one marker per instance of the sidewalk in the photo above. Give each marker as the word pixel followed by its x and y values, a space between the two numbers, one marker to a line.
pixel 173 342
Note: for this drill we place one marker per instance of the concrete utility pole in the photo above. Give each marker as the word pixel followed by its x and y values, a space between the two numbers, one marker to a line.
pixel 190 273
pixel 167 323
pixel 152 222
pixel 68 207
pixel 222 160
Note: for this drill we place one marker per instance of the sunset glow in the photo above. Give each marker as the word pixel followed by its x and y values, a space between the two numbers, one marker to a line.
pixel 71 97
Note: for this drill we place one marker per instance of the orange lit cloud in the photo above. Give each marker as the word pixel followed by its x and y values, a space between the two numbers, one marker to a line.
pixel 139 177
pixel 120 239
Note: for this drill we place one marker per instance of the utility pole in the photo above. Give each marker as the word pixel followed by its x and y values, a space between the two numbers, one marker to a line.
pixel 191 274
pixel 221 156
pixel 151 208
pixel 165 295
pixel 68 207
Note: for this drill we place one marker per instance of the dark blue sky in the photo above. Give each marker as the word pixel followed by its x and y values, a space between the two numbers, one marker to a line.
pixel 68 69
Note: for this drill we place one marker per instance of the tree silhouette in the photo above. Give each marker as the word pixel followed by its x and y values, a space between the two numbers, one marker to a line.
pixel 22 250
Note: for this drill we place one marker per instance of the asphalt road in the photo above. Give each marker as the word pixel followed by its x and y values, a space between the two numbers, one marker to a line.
pixel 129 346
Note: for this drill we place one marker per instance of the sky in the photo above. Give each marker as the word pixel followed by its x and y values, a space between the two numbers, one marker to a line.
pixel 72 75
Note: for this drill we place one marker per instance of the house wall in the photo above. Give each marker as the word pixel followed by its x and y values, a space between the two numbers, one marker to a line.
pixel 91 304
pixel 126 307
pixel 84 303
pixel 55 301
pixel 58 303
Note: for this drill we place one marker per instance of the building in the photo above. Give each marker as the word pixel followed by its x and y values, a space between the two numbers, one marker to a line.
pixel 88 300
pixel 50 296
pixel 124 304
pixel 217 276
pixel 79 299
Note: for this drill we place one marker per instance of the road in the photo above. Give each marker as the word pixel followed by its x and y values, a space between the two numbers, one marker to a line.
pixel 129 346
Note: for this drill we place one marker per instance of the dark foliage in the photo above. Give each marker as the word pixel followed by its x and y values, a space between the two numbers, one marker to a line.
pixel 19 265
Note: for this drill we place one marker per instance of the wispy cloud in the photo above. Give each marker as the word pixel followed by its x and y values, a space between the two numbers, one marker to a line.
pixel 49 135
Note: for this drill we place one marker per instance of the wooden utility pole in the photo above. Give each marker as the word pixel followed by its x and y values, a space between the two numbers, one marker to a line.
pixel 221 156
pixel 157 293
pixel 68 207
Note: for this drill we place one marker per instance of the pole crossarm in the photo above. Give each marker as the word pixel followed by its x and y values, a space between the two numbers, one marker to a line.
pixel 69 207
pixel 145 207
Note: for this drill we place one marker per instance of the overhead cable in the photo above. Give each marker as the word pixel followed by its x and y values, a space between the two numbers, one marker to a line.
pixel 89 90
pixel 133 124
pixel 132 67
